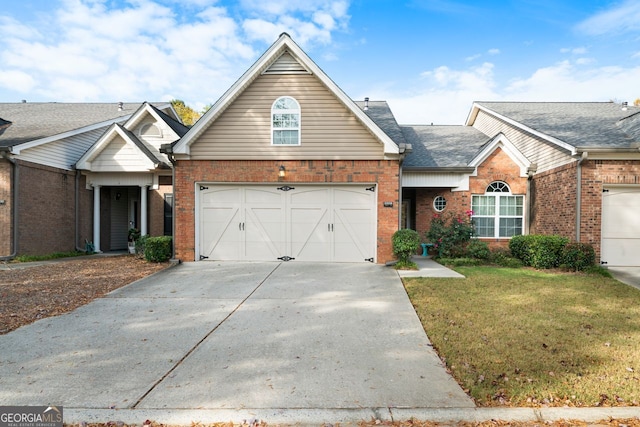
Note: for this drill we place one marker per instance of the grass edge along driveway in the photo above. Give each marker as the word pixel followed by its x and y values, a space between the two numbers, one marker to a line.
pixel 521 337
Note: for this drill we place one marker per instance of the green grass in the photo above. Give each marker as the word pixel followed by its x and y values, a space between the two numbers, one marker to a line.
pixel 55 255
pixel 526 338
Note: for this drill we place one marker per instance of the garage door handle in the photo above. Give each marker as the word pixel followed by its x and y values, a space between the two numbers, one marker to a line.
pixel 241 226
pixel 329 227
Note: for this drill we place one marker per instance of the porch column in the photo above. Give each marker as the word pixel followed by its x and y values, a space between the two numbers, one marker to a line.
pixel 143 210
pixel 96 218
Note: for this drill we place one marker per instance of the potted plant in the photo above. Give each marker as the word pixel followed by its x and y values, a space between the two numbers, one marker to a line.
pixel 133 235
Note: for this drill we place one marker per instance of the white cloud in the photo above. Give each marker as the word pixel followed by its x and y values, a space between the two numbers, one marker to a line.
pixel 575 50
pixel 565 82
pixel 621 18
pixel 472 57
pixel 97 50
pixel 493 51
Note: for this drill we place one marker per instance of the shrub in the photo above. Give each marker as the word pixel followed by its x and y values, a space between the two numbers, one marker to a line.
pixel 578 256
pixel 450 234
pixel 461 262
pixel 539 251
pixel 405 244
pixel 141 242
pixel 157 249
pixel 504 258
pixel 478 249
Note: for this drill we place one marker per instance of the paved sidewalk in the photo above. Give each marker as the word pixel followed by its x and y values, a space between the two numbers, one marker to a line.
pixel 429 268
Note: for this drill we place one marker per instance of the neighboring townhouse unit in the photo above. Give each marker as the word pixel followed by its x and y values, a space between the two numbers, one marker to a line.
pixel 534 167
pixel 77 172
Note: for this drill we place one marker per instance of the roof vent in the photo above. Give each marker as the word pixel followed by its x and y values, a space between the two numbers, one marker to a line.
pixel 366 103
pixel 120 106
pixel 624 105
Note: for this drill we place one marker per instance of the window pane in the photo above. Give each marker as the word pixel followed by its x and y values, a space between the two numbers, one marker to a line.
pixel 511 205
pixel 510 227
pixel 285 137
pixel 485 227
pixel 483 205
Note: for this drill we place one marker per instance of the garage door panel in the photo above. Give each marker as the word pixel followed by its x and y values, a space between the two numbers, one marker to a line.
pixel 621 226
pixel 309 234
pixel 265 233
pixel 220 231
pixel 353 236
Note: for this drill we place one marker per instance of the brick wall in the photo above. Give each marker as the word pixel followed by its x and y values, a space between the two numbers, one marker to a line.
pixel 46 209
pixel 553 197
pixel 6 208
pixel 497 167
pixel 382 172
pixel 156 209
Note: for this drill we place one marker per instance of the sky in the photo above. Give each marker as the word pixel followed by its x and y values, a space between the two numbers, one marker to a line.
pixel 429 59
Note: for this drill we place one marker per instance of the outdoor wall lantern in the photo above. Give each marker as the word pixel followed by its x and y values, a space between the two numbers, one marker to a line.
pixel 282 172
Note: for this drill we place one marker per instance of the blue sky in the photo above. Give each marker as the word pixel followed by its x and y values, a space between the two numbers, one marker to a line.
pixel 430 59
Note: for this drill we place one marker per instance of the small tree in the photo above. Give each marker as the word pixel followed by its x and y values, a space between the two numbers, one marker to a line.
pixel 450 233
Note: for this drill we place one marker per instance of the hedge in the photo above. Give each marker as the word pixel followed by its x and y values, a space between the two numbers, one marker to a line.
pixel 157 249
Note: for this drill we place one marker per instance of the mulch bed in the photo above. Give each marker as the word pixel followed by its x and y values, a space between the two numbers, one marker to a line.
pixel 31 293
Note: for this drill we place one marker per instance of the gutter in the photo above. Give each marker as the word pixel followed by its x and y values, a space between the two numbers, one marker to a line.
pixel 452 169
pixel 5 151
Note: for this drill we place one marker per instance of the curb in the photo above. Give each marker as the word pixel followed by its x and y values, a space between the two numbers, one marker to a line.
pixel 321 416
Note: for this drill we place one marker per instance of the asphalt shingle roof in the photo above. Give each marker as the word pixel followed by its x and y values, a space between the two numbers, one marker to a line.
pixel 580 124
pixel 382 116
pixel 32 121
pixel 442 146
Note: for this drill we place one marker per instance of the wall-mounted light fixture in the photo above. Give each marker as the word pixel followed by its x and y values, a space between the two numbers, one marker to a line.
pixel 118 195
pixel 282 172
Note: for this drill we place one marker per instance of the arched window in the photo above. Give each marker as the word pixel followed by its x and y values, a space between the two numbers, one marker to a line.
pixel 498 213
pixel 285 121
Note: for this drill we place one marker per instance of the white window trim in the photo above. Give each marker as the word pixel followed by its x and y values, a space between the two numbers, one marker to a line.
pixel 496 216
pixel 299 128
pixel 435 207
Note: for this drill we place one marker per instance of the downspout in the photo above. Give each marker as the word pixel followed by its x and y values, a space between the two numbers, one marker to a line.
pixel 77 212
pixel 583 157
pixel 531 171
pixel 168 150
pixel 404 149
pixel 14 202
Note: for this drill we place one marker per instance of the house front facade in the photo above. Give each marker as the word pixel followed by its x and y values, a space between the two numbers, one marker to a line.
pixel 285 166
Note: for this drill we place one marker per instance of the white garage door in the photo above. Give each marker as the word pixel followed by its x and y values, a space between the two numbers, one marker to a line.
pixel 621 226
pixel 288 222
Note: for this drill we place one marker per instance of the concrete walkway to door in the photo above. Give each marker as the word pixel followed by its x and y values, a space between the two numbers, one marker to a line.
pixel 234 341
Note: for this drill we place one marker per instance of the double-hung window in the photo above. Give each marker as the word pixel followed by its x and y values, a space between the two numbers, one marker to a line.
pixel 497 213
pixel 285 121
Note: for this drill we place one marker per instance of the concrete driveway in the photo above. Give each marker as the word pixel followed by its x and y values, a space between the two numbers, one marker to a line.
pixel 217 336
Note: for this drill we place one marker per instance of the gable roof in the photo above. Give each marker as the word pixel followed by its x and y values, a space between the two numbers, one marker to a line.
pixel 575 126
pixel 149 158
pixel 437 147
pixel 283 45
pixel 38 121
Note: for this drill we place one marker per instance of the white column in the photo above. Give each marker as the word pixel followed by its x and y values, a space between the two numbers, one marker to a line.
pixel 143 210
pixel 96 218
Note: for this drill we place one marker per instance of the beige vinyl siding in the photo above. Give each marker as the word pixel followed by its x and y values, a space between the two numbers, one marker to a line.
pixel 286 64
pixel 537 150
pixel 64 153
pixel 119 156
pixel 328 129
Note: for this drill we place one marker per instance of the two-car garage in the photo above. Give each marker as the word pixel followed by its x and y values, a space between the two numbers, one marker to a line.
pixel 321 223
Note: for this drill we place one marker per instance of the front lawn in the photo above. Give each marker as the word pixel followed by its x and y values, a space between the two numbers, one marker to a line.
pixel 523 337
